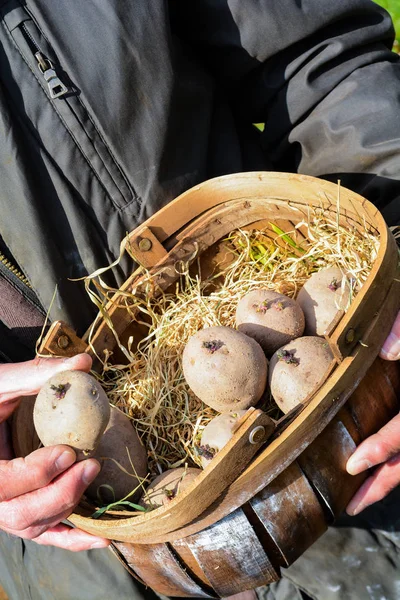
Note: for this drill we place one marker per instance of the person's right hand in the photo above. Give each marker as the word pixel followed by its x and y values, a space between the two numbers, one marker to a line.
pixel 39 491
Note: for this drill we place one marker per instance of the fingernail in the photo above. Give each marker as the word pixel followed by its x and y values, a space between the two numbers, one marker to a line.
pixel 100 544
pixel 356 510
pixel 354 467
pixel 90 471
pixel 65 460
pixel 391 347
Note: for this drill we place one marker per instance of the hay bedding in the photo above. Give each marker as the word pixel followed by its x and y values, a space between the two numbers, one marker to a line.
pixel 151 389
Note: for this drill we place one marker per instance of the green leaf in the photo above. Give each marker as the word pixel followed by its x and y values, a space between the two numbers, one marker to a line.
pixel 285 237
pixel 100 511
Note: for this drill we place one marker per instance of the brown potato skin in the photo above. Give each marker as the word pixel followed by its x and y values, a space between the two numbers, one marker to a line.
pixel 77 418
pixel 319 303
pixel 119 436
pixel 217 433
pixel 174 481
pixel 231 378
pixel 290 383
pixel 270 318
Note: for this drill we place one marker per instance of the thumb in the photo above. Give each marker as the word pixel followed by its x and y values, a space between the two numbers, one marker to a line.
pixel 26 378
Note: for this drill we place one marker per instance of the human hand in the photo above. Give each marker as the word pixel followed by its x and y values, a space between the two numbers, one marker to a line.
pixel 382 448
pixel 41 490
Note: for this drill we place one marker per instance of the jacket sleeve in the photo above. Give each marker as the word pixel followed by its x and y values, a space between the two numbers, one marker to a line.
pixel 321 76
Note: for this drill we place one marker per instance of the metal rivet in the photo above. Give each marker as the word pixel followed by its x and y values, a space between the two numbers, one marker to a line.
pixel 63 341
pixel 350 336
pixel 145 245
pixel 257 435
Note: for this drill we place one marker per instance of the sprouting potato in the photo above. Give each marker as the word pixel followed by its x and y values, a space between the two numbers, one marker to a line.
pixel 226 369
pixel 323 295
pixel 167 486
pixel 270 318
pixel 122 456
pixel 298 370
pixel 216 434
pixel 72 408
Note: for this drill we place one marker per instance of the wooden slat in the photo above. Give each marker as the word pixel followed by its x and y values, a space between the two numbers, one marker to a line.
pixel 276 209
pixel 324 464
pixel 187 558
pixel 291 513
pixel 347 418
pixel 158 568
pixel 231 555
pixel 377 401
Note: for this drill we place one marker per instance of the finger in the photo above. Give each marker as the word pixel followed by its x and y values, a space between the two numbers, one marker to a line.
pixel 376 487
pixel 391 348
pixel 31 514
pixel 376 449
pixel 22 475
pixel 26 378
pixel 67 538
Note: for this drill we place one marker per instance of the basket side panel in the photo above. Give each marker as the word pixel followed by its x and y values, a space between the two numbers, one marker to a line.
pixel 187 558
pixel 291 513
pixel 377 398
pixel 158 568
pixel 374 403
pixel 231 555
pixel 324 464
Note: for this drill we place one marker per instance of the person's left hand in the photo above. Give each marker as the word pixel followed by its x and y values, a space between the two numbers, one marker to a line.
pixel 382 448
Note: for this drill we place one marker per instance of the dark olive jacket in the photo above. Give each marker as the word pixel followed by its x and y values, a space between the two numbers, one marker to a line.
pixel 111 108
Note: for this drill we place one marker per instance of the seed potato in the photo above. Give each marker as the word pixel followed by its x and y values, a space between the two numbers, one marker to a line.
pixel 72 408
pixel 272 319
pixel 216 434
pixel 121 443
pixel 226 369
pixel 167 486
pixel 322 297
pixel 298 370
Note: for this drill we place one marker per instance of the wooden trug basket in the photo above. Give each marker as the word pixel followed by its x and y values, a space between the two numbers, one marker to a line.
pixel 259 505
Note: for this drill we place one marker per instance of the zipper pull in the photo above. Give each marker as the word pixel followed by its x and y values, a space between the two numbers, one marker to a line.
pixel 56 87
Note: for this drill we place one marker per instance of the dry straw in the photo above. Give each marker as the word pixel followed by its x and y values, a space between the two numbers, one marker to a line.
pixel 151 389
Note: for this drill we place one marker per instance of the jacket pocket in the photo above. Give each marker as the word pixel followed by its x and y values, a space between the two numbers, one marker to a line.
pixel 59 90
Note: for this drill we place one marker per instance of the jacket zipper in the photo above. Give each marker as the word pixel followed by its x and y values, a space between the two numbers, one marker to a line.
pixel 14 270
pixel 57 88
pixel 75 117
pixel 15 277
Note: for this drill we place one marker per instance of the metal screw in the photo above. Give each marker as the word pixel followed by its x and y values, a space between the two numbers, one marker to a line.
pixel 350 336
pixel 63 341
pixel 257 435
pixel 145 245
